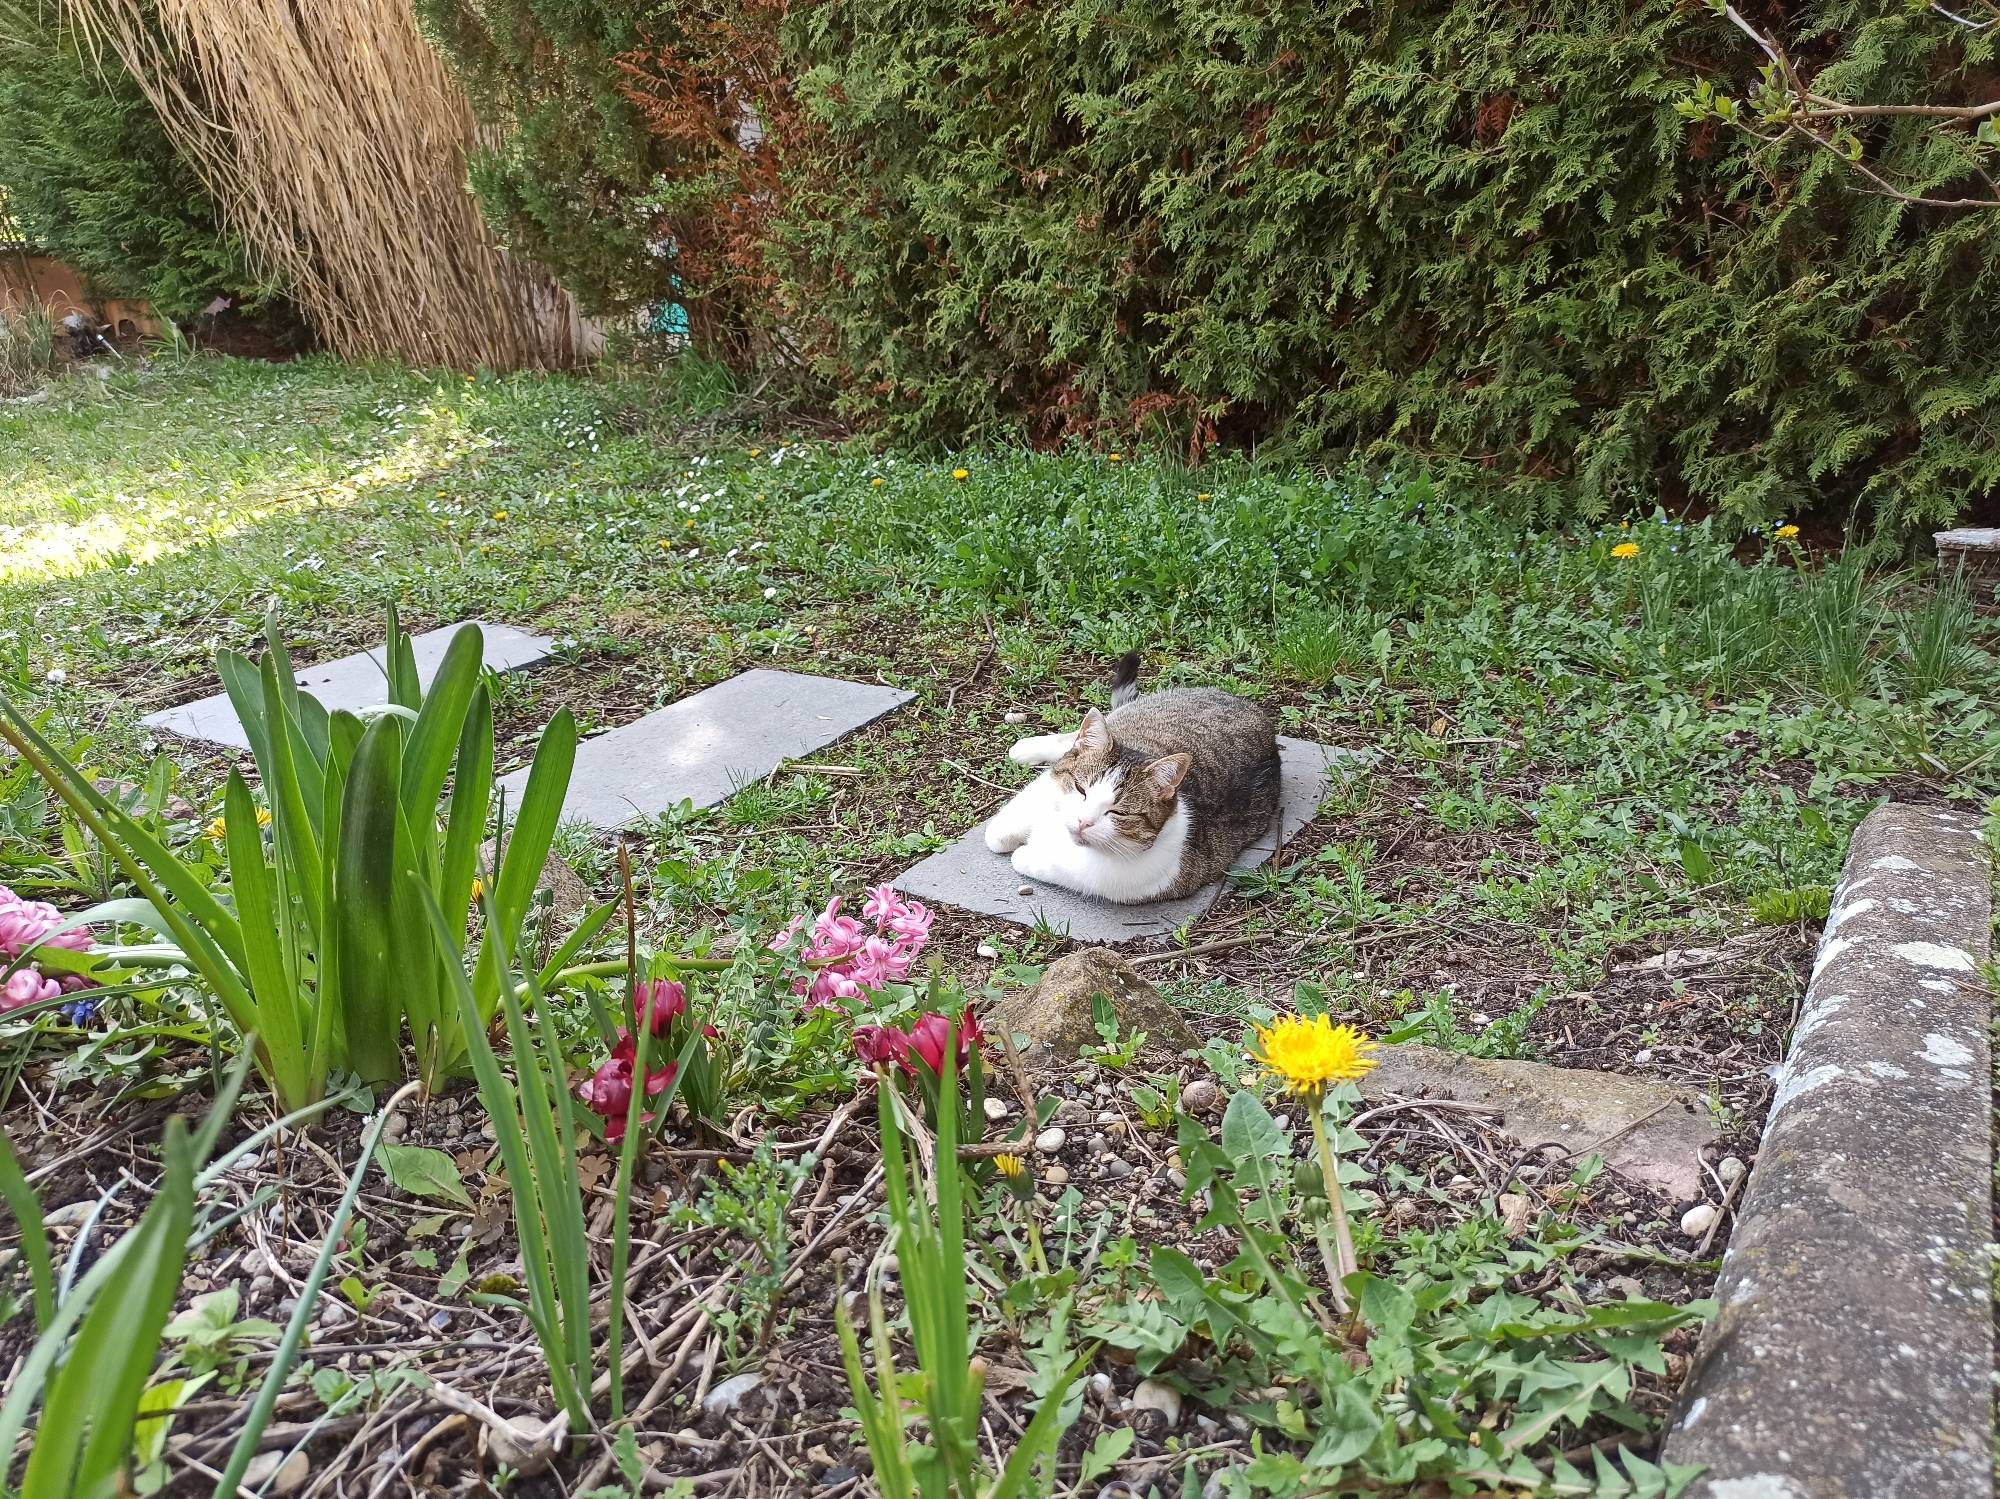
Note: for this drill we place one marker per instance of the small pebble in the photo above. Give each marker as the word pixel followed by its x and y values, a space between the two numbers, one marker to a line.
pixel 1050 1140
pixel 276 1472
pixel 1100 1386
pixel 1642 1056
pixel 1055 1176
pixel 397 1127
pixel 1697 1220
pixel 1115 1169
pixel 1017 717
pixel 1025 890
pixel 1164 1398
pixel 440 1321
pixel 1730 1169
pixel 1179 1179
pixel 996 1110
pixel 987 950
pixel 726 1397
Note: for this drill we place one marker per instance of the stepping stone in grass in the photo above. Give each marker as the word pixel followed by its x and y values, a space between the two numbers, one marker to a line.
pixel 354 682
pixel 704 749
pixel 972 877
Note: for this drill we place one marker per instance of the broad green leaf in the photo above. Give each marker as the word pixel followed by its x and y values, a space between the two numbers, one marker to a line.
pixel 364 891
pixel 440 723
pixel 86 1429
pixel 424 1172
pixel 27 1210
pixel 1248 1130
pixel 274 990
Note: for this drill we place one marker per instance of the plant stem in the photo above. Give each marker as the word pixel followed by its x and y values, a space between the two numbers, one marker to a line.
pixel 1342 1263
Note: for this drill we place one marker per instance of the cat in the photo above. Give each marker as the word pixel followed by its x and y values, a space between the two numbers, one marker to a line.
pixel 1148 802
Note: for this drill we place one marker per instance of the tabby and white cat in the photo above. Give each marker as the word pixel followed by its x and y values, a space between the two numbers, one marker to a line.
pixel 1148 802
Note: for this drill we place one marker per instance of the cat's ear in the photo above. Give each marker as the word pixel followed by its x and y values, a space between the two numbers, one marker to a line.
pixel 1094 738
pixel 1164 776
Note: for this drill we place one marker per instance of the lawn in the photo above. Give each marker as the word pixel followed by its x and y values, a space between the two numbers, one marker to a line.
pixel 1591 746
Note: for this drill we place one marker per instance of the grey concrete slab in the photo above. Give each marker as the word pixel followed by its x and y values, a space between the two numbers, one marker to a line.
pixel 354 682
pixel 705 748
pixel 972 877
pixel 1852 1353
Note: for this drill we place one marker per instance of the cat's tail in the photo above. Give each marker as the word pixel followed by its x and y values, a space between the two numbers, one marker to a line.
pixel 1125 679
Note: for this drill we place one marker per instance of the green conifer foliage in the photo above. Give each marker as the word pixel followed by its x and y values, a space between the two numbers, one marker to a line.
pixel 90 176
pixel 565 179
pixel 1473 231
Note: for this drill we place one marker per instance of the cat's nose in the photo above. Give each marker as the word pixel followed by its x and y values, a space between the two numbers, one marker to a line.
pixel 1082 827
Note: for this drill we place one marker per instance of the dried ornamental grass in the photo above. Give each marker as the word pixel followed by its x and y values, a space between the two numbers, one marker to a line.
pixel 336 143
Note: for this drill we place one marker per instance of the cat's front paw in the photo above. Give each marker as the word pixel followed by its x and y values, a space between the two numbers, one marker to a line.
pixel 1030 864
pixel 1004 840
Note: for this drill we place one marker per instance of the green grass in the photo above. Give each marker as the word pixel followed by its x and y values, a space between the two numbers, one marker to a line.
pixel 1579 755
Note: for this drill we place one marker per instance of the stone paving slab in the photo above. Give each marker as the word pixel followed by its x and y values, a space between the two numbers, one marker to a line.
pixel 1648 1132
pixel 1852 1353
pixel 355 682
pixel 705 748
pixel 972 877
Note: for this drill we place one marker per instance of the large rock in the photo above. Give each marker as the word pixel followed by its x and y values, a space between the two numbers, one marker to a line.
pixel 1645 1131
pixel 569 897
pixel 1852 1357
pixel 1056 1019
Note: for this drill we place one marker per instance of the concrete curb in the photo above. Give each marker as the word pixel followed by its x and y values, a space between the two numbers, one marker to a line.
pixel 1852 1357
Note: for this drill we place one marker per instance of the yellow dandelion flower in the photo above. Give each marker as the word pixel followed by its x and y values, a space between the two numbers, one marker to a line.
pixel 1626 549
pixel 478 887
pixel 1204 497
pixel 216 830
pixel 1117 457
pixel 263 817
pixel 961 473
pixel 499 515
pixel 1306 1055
pixel 1786 532
pixel 1010 1166
pixel 756 452
pixel 876 483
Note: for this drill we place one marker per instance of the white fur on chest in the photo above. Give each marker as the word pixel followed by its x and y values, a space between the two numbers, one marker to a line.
pixel 1035 830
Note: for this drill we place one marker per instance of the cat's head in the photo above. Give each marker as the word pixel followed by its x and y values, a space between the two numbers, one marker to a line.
pixel 1113 802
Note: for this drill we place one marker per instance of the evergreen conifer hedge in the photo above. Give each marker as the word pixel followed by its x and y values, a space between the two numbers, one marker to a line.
pixel 1473 231
pixel 90 176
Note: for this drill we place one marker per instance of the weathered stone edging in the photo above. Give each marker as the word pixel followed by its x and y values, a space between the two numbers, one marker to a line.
pixel 1852 1357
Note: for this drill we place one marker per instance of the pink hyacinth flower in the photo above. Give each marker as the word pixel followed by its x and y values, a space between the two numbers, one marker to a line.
pixel 912 922
pixel 834 934
pixel 26 987
pixel 880 963
pixel 882 903
pixel 830 988
pixel 26 924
